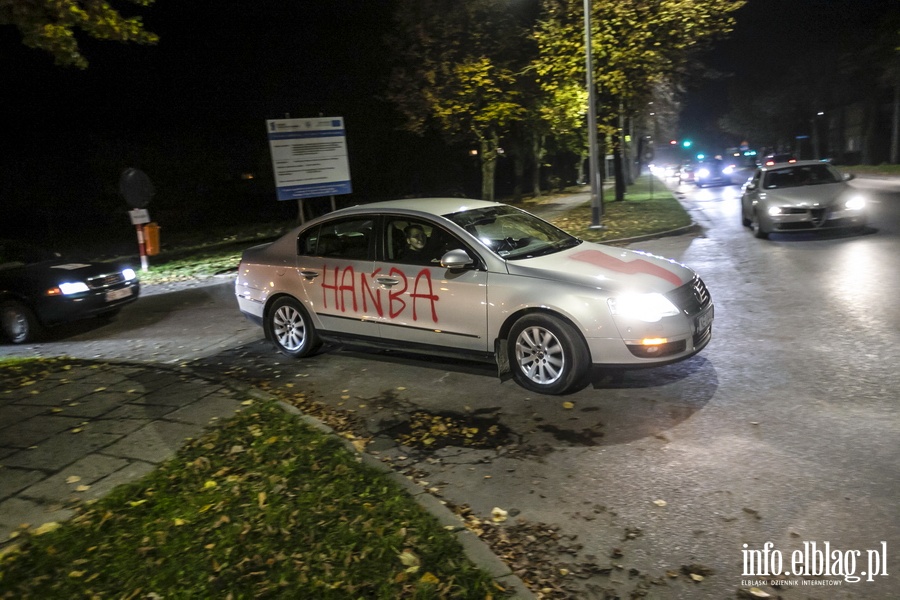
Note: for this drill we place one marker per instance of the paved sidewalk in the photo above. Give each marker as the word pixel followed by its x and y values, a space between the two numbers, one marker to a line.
pixel 76 433
pixel 82 428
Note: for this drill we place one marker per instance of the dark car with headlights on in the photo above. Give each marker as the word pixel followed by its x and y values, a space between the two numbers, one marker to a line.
pixel 802 196
pixel 482 280
pixel 711 172
pixel 40 289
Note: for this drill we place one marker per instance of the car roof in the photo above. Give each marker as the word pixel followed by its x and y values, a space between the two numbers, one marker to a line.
pixel 433 206
pixel 799 163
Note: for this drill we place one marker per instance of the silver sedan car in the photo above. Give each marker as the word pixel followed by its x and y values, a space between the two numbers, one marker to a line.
pixel 800 196
pixel 482 280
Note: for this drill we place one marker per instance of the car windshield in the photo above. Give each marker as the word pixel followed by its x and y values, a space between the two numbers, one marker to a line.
pixel 16 254
pixel 512 233
pixel 800 175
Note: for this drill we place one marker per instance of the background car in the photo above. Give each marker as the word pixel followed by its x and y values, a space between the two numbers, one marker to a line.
pixel 686 174
pixel 803 196
pixel 671 171
pixel 39 289
pixel 711 172
pixel 774 159
pixel 488 282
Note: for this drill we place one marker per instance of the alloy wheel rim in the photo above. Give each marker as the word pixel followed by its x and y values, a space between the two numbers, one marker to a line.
pixel 540 355
pixel 289 328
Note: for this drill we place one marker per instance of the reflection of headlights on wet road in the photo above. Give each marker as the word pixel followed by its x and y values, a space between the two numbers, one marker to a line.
pixel 643 307
pixel 855 203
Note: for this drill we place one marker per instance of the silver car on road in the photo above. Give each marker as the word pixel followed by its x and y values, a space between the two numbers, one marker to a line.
pixel 483 280
pixel 800 196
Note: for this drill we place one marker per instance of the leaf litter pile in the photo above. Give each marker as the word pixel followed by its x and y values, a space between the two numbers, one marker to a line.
pixel 263 506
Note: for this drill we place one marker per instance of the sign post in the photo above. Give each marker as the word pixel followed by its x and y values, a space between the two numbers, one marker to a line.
pixel 309 157
pixel 138 190
pixel 139 217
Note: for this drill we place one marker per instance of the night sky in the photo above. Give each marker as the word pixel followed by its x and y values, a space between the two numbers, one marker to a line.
pixel 772 35
pixel 223 67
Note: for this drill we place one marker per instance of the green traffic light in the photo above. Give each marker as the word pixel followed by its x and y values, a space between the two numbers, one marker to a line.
pixel 687 143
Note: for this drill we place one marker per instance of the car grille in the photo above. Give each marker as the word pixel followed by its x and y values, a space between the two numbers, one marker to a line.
pixel 100 282
pixel 692 297
pixel 818 216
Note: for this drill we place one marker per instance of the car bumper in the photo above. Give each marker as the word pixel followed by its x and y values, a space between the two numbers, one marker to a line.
pixel 816 219
pixel 63 309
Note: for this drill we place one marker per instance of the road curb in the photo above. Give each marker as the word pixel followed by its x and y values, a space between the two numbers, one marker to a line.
pixel 475 549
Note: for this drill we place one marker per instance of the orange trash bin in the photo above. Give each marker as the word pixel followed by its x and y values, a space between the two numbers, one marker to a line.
pixel 151 238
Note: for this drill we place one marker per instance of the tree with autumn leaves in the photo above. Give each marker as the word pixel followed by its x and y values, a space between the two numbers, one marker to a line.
pixel 477 72
pixel 52 25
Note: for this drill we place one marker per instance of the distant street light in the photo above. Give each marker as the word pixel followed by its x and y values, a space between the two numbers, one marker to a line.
pixel 593 164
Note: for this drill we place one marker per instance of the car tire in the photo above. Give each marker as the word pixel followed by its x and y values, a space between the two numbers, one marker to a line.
pixel 290 328
pixel 547 355
pixel 756 227
pixel 18 323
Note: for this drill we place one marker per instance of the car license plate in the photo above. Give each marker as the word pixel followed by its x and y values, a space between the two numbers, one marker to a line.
pixel 703 320
pixel 114 295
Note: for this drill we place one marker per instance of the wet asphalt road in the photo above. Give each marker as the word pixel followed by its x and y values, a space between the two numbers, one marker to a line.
pixel 785 429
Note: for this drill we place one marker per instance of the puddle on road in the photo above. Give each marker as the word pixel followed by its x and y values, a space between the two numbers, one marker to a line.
pixel 432 431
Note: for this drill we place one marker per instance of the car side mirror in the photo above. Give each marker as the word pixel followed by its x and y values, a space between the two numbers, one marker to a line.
pixel 456 259
pixel 750 187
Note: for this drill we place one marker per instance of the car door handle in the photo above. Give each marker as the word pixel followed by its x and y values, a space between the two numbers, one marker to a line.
pixel 387 281
pixel 309 274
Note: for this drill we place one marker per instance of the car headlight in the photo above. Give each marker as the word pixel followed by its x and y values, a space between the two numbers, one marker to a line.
pixel 643 307
pixel 73 287
pixel 774 210
pixel 855 203
pixel 703 173
pixel 128 274
pixel 728 170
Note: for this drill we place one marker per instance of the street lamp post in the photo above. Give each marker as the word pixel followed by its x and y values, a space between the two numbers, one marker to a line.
pixel 593 166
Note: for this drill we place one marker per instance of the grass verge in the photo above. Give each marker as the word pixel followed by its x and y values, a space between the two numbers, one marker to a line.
pixel 648 208
pixel 262 506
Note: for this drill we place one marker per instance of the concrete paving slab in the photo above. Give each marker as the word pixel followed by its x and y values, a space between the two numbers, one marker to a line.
pixel 61 486
pixel 18 512
pixel 36 430
pixel 205 410
pixel 60 450
pixel 154 442
pixel 13 481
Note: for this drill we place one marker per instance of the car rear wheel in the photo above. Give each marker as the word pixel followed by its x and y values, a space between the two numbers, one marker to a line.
pixel 289 327
pixel 547 355
pixel 756 227
pixel 17 323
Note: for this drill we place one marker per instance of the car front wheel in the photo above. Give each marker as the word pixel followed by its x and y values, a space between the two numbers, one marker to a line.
pixel 17 323
pixel 289 327
pixel 756 227
pixel 547 355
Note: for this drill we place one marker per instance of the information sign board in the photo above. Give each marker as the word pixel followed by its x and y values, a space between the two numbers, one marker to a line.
pixel 309 157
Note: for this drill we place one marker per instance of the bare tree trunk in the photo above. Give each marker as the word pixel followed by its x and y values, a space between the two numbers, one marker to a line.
pixel 537 154
pixel 895 126
pixel 618 167
pixel 489 147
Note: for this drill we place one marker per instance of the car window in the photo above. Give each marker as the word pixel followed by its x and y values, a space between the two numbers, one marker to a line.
pixel 512 233
pixel 800 176
pixel 350 239
pixel 416 242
